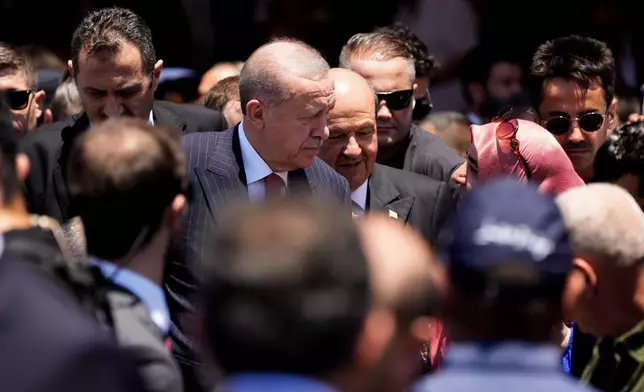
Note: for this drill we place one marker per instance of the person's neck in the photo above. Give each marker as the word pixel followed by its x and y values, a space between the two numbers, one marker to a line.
pixel 387 154
pixel 14 216
pixel 256 141
pixel 631 311
pixel 149 261
pixel 587 173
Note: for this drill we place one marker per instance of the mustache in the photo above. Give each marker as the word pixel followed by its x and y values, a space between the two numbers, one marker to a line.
pixel 314 142
pixel 576 146
pixel 347 161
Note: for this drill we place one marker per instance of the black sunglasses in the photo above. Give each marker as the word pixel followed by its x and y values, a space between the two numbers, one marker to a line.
pixel 397 100
pixel 589 122
pixel 18 99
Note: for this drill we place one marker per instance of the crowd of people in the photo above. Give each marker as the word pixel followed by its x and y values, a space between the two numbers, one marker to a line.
pixel 306 228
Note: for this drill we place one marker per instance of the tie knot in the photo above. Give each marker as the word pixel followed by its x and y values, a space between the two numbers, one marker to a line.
pixel 275 185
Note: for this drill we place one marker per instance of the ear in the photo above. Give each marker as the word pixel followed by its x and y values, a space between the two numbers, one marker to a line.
pixel 70 66
pixel 48 116
pixel 175 215
pixel 612 116
pixel 255 114
pixel 22 166
pixel 156 74
pixel 476 92
pixel 39 98
pixel 587 269
pixel 378 329
pixel 415 88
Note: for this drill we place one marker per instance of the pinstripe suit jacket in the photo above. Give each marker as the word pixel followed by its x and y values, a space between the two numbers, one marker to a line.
pixel 217 177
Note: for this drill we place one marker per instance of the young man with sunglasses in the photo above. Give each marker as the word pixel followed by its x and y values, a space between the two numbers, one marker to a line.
pixel 384 60
pixel 572 85
pixel 18 83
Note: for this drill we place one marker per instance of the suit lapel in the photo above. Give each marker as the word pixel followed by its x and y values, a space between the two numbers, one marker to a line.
pixel 162 116
pixel 69 135
pixel 384 197
pixel 224 178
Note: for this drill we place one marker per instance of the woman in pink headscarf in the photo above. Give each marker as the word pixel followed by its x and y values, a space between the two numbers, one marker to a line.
pixel 519 148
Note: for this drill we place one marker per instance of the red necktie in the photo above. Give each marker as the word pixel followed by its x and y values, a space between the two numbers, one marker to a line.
pixel 275 186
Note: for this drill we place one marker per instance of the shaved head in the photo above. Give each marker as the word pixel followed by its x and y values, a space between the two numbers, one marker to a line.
pixel 352 93
pixel 217 73
pixel 267 70
pixel 399 259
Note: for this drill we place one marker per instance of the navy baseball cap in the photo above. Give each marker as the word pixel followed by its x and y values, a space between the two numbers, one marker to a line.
pixel 507 234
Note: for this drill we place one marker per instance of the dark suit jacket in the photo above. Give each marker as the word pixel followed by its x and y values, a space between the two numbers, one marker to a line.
pixel 428 155
pixel 423 203
pixel 141 338
pixel 49 146
pixel 217 177
pixel 49 343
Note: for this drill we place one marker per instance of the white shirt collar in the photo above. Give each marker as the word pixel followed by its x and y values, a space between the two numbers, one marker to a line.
pixel 255 167
pixel 151 119
pixel 359 196
pixel 145 290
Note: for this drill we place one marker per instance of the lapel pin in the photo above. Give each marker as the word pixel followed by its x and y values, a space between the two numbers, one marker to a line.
pixel 393 214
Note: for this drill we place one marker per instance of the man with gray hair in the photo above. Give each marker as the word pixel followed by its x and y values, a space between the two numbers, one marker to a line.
pixel 606 287
pixel 383 58
pixel 285 94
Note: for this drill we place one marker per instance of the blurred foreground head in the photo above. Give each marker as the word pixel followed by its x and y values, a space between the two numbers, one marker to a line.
pixel 606 296
pixel 508 258
pixel 407 284
pixel 286 289
pixel 126 181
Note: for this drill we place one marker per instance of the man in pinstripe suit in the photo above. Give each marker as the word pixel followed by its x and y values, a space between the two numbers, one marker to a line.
pixel 285 93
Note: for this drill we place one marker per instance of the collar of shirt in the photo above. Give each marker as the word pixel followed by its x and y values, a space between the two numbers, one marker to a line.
pixel 147 291
pixel 506 355
pixel 255 167
pixel 150 119
pixel 359 196
pixel 474 118
pixel 274 382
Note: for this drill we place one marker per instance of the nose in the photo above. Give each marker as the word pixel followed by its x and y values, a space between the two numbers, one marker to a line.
pixel 575 135
pixel 383 111
pixel 352 149
pixel 113 107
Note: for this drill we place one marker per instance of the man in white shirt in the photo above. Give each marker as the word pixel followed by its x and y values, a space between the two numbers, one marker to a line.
pixel 126 180
pixel 420 201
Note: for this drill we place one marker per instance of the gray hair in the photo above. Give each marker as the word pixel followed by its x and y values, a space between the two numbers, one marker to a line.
pixel 605 224
pixel 66 100
pixel 262 76
pixel 377 46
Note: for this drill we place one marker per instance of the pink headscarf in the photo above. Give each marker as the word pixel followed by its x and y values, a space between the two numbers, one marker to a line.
pixel 551 168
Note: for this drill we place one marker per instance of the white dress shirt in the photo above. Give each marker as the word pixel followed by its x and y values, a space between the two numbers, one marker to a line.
pixel 359 198
pixel 256 168
pixel 148 292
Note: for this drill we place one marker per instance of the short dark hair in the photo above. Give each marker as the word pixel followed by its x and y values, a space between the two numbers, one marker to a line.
pixel 580 59
pixel 378 45
pixel 121 193
pixel 424 62
pixel 11 185
pixel 14 59
pixel 221 93
pixel 105 29
pixel 477 65
pixel 287 288
pixel 622 153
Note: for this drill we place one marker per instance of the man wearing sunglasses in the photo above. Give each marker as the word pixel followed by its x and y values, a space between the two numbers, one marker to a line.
pixel 18 83
pixel 115 68
pixel 385 61
pixel 573 84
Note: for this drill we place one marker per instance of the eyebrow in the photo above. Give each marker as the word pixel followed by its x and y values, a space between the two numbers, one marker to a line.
pixel 564 114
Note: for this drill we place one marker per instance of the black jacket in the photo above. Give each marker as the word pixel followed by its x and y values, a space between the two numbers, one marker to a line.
pixel 49 146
